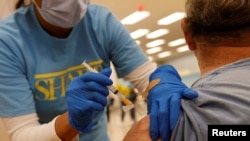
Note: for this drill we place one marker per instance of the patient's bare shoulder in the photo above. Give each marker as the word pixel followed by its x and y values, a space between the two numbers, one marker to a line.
pixel 139 131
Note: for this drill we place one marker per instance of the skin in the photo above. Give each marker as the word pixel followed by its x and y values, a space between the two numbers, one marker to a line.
pixel 62 126
pixel 49 28
pixel 209 57
pixel 139 131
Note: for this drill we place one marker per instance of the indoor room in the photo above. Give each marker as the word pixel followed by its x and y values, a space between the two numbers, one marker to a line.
pixel 155 25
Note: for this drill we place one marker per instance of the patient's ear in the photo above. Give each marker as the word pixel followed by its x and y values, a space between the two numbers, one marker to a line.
pixel 189 40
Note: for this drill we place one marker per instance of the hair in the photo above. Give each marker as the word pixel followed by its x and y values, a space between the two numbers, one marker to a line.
pixel 215 19
pixel 19 3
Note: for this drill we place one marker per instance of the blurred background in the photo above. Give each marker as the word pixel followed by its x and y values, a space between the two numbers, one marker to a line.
pixel 155 25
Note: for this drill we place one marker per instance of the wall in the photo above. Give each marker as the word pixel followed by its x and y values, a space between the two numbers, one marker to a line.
pixel 6 7
pixel 187 66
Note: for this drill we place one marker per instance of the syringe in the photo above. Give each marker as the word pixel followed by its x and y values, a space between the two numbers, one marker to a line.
pixel 128 105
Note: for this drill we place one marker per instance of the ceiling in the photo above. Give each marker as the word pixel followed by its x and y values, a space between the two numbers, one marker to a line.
pixel 158 9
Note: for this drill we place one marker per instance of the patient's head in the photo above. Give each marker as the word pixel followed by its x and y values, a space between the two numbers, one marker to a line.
pixel 220 18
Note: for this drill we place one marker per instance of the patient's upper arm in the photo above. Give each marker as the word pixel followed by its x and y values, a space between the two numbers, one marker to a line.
pixel 139 131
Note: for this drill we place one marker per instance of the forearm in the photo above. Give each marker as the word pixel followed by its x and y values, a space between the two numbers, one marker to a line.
pixel 64 129
pixel 27 128
pixel 140 76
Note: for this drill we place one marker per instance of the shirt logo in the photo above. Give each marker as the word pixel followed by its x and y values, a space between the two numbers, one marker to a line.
pixel 51 86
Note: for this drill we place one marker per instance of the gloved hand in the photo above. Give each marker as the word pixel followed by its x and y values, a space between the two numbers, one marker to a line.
pixel 86 96
pixel 164 101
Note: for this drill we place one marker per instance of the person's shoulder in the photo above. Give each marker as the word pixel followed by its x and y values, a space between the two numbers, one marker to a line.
pixel 97 6
pixel 15 26
pixel 98 9
pixel 8 23
pixel 98 14
pixel 14 16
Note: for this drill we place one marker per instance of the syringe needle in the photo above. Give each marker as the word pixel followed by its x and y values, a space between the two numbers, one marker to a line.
pixel 89 67
pixel 111 88
pixel 128 104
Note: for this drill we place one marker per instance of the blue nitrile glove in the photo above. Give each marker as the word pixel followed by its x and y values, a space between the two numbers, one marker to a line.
pixel 86 97
pixel 164 101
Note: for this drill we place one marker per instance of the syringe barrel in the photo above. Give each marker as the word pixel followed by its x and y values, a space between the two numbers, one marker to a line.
pixel 113 89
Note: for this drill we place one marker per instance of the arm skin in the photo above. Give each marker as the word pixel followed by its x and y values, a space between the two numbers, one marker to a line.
pixel 139 131
pixel 63 128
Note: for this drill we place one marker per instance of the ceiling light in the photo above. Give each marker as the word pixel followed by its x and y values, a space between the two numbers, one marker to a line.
pixel 177 42
pixel 154 50
pixel 155 43
pixel 164 54
pixel 182 49
pixel 139 33
pixel 135 17
pixel 157 33
pixel 171 18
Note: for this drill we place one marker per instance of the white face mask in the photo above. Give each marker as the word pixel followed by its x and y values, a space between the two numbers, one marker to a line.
pixel 63 13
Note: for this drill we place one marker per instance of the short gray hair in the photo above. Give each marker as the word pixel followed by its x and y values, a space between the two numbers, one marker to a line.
pixel 209 18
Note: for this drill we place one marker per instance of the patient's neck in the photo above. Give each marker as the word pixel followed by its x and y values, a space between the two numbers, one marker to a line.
pixel 210 58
